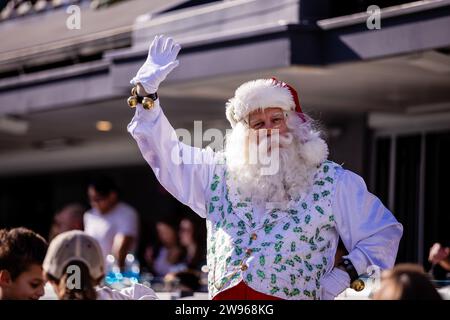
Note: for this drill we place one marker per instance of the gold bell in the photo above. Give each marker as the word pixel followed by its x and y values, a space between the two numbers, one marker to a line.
pixel 132 101
pixel 134 91
pixel 358 285
pixel 147 103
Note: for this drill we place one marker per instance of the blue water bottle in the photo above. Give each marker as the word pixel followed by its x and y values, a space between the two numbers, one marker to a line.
pixel 132 268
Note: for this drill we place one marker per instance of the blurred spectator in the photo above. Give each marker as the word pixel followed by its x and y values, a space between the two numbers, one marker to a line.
pixel 166 255
pixel 114 224
pixel 76 252
pixel 406 281
pixel 441 255
pixel 70 217
pixel 22 252
pixel 440 261
pixel 192 234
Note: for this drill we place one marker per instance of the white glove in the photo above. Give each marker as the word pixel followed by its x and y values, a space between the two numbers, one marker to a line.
pixel 160 62
pixel 334 283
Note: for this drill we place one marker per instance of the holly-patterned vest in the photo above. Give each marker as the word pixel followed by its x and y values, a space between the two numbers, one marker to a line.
pixel 283 253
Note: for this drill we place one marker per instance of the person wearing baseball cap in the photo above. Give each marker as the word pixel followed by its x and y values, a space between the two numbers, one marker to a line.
pixel 74 267
pixel 275 206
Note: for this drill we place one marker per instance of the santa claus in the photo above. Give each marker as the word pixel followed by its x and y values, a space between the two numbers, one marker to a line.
pixel 275 207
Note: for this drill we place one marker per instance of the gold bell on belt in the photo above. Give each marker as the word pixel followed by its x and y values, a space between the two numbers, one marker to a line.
pixel 358 285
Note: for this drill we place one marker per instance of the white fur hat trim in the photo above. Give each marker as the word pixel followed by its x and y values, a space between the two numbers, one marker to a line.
pixel 258 94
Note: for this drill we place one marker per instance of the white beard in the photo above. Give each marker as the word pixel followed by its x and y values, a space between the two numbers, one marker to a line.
pixel 296 160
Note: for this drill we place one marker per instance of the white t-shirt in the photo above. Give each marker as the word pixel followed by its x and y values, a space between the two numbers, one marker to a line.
pixel 122 219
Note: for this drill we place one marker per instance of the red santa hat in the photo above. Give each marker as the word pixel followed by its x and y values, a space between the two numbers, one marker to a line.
pixel 261 94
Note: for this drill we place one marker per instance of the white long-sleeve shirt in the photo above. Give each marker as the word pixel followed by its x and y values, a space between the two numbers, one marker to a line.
pixel 368 230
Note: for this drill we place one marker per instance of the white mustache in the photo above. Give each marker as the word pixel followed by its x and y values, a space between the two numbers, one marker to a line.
pixel 275 141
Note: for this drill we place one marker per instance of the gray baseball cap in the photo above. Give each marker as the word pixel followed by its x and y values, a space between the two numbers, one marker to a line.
pixel 74 246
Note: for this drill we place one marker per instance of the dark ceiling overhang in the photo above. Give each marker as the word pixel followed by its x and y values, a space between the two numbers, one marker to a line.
pixel 280 44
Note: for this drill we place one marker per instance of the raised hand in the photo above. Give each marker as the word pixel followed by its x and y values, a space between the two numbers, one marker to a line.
pixel 161 60
pixel 438 253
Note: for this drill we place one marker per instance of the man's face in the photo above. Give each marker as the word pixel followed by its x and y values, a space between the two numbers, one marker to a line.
pixel 102 203
pixel 29 285
pixel 269 119
pixel 65 221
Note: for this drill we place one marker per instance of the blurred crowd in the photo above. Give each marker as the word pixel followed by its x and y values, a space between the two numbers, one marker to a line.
pixel 102 242
pixel 17 8
pixel 174 259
